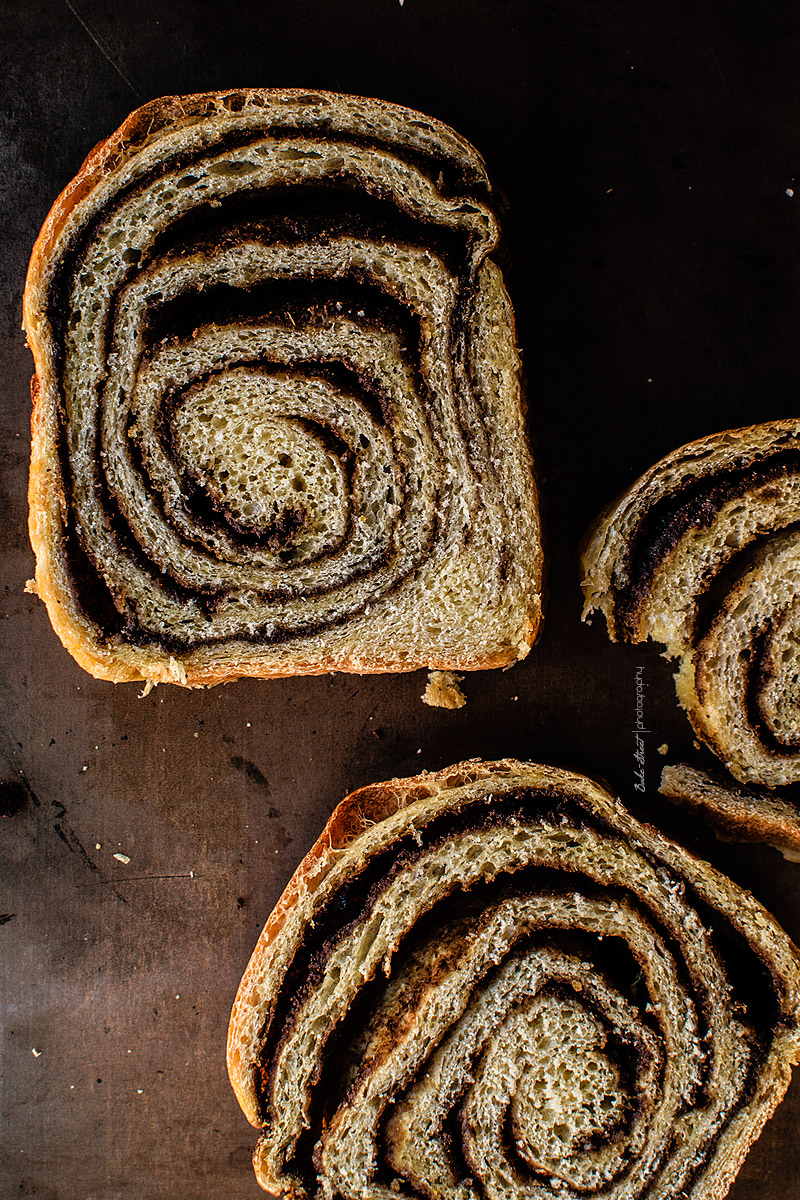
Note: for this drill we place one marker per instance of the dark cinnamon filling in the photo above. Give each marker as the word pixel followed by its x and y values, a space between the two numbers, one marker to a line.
pixel 752 983
pixel 292 301
pixel 438 170
pixel 273 301
pixel 694 504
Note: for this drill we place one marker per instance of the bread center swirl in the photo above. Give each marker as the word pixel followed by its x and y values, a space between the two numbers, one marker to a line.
pixel 260 468
pixel 564 1093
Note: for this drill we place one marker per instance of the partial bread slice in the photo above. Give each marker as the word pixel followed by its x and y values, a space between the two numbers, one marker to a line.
pixel 703 554
pixel 736 814
pixel 277 421
pixel 493 981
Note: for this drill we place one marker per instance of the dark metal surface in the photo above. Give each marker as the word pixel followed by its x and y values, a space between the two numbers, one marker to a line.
pixel 646 151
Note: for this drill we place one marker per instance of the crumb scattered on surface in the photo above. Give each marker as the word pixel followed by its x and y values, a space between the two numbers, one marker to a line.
pixel 147 689
pixel 663 748
pixel 123 858
pixel 31 588
pixel 443 690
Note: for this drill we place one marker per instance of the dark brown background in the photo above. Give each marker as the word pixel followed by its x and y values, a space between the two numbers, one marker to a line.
pixel 646 150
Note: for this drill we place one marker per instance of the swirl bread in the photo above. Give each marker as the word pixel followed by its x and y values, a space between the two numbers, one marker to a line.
pixel 703 554
pixel 277 424
pixel 493 982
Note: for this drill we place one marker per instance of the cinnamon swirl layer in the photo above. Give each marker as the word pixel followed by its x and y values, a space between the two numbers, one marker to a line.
pixel 277 424
pixel 703 554
pixel 493 981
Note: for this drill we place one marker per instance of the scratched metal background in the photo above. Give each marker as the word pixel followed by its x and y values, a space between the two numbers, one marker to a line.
pixel 648 152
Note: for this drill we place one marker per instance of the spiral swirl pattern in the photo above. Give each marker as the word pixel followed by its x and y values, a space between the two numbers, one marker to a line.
pixel 495 982
pixel 277 417
pixel 703 554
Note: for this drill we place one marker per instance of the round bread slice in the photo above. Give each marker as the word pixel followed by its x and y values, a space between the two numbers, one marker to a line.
pixel 492 981
pixel 703 554
pixel 277 421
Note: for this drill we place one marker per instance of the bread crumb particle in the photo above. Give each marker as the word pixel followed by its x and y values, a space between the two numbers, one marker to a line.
pixel 123 858
pixel 663 748
pixel 30 587
pixel 443 690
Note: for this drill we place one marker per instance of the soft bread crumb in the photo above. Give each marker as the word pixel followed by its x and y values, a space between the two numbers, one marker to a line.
pixel 443 690
pixel 31 588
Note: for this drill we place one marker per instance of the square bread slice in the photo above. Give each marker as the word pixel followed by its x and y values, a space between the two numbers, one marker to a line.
pixel 277 422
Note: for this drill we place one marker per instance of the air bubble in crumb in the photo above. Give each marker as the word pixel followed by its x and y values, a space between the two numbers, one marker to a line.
pixel 443 690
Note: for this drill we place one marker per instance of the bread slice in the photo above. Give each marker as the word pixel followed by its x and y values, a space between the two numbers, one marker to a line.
pixel 277 422
pixel 493 981
pixel 736 814
pixel 703 554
